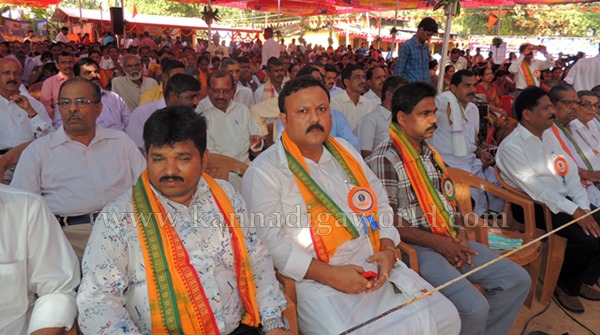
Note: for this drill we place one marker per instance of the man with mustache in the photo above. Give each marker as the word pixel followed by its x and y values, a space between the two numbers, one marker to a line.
pixel 272 87
pixel 436 232
pixel 115 113
pixel 231 129
pixel 178 244
pixel 527 70
pixel 23 118
pixel 351 103
pixel 566 105
pixel 373 128
pixel 27 63
pixel 133 84
pixel 51 86
pixel 456 137
pixel 534 161
pixel 180 90
pixel 329 227
pixel 81 167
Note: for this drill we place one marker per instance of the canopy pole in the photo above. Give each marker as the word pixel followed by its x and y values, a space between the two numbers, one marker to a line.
pixel 394 35
pixel 278 12
pixel 499 21
pixel 347 31
pixel 253 20
pixel 209 31
pixel 450 11
pixel 80 11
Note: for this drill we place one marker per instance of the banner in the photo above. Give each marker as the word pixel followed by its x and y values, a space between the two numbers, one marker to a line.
pixel 12 30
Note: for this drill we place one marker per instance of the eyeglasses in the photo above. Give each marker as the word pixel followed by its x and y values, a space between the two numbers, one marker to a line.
pixel 79 102
pixel 589 105
pixel 568 102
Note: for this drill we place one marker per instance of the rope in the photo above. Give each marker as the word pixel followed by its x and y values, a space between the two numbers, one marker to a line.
pixel 465 275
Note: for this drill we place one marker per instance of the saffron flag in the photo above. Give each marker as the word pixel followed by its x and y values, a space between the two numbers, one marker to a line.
pixel 492 19
pixel 134 13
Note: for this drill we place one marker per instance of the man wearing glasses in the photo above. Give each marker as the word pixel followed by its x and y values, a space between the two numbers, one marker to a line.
pixel 81 167
pixel 231 129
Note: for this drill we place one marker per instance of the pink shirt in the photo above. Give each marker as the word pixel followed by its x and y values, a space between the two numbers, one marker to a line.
pixel 49 95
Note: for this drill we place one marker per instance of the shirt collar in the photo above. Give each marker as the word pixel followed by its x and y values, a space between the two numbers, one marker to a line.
pixel 60 136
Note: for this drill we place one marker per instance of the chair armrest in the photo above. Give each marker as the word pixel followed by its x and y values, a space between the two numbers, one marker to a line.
pixel 413 260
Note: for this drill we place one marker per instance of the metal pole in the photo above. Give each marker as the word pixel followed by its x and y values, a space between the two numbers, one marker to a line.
pixel 80 11
pixel 278 12
pixel 209 32
pixel 450 11
pixel 394 36
pixel 499 20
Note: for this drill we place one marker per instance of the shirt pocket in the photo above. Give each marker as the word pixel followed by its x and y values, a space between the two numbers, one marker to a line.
pixel 13 289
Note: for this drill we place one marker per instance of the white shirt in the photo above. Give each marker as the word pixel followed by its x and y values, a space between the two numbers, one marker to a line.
pixel 527 163
pixel 373 97
pixel 353 113
pixel 35 259
pixel 270 49
pixel 115 114
pixel 113 297
pixel 260 91
pixel 536 65
pixel 229 132
pixel 62 38
pixel 460 64
pixel 75 179
pixel 587 138
pixel 107 63
pixel 442 136
pixel 374 128
pixel 244 95
pixel 15 125
pixel 584 74
pixel 140 115
pixel 269 187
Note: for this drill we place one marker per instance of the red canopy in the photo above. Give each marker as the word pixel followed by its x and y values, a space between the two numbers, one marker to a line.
pixel 32 3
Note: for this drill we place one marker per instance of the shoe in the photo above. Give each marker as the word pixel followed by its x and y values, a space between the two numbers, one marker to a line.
pixel 589 292
pixel 569 302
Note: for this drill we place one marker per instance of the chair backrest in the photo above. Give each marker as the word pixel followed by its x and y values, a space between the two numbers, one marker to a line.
pixel 219 166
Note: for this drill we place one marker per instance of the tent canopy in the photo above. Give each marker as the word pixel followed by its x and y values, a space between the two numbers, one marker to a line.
pixel 32 3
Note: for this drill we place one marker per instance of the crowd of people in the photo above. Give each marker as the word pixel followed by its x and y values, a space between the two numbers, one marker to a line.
pixel 111 218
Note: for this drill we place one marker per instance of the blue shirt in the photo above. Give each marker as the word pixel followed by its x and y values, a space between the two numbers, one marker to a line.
pixel 339 128
pixel 413 61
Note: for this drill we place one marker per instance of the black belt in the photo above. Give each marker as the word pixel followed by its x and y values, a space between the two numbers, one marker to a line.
pixel 3 151
pixel 66 221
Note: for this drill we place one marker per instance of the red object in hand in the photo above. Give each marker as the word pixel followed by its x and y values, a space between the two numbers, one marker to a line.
pixel 369 275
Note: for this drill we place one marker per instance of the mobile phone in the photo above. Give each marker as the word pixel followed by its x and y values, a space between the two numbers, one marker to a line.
pixel 369 275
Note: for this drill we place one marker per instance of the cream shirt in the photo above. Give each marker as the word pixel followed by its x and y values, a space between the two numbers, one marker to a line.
pixel 353 113
pixel 229 132
pixel 75 179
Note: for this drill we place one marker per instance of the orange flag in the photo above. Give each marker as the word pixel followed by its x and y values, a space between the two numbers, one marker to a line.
pixel 492 19
pixel 134 13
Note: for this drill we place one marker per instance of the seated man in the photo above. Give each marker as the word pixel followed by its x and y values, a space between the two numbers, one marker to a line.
pixel 231 129
pixel 532 160
pixel 429 221
pixel 456 137
pixel 80 167
pixel 39 271
pixel 173 255
pixel 374 127
pixel 316 184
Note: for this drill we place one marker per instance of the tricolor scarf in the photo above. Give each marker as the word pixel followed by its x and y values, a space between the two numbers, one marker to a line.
pixel 566 148
pixel 178 304
pixel 337 229
pixel 427 194
pixel 530 80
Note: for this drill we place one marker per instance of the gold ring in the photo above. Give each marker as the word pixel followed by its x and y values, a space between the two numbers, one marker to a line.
pixel 369 284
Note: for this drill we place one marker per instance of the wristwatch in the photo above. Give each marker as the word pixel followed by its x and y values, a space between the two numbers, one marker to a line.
pixel 275 323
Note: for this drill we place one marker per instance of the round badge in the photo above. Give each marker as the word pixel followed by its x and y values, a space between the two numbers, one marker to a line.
pixel 561 166
pixel 448 188
pixel 362 201
pixel 537 73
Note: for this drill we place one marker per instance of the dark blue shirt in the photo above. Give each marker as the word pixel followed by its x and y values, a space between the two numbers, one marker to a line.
pixel 413 61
